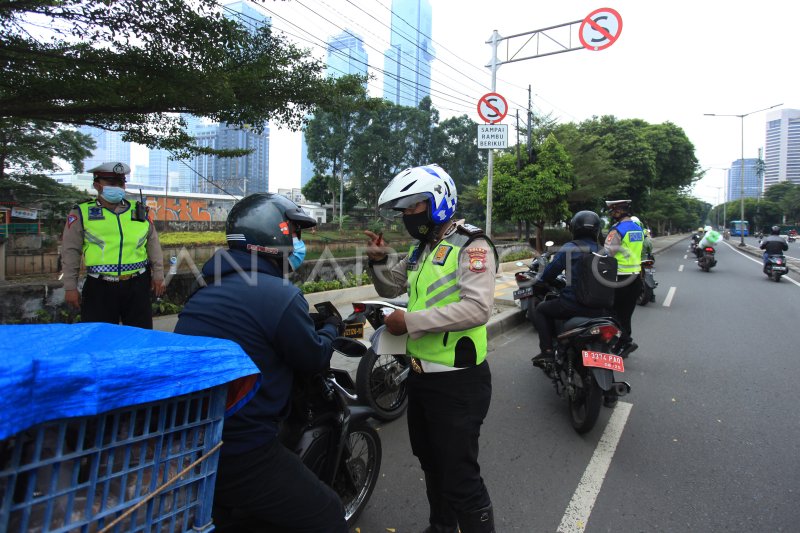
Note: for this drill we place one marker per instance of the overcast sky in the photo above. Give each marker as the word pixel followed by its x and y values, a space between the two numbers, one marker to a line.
pixel 673 61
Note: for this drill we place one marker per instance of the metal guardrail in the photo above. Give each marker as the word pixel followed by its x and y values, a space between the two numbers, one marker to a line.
pixel 17 228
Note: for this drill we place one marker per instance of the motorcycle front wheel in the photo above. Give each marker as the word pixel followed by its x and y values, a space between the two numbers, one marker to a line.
pixel 359 470
pixel 585 402
pixel 379 385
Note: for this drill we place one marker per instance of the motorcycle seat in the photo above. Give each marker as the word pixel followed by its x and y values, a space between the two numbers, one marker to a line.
pixel 581 322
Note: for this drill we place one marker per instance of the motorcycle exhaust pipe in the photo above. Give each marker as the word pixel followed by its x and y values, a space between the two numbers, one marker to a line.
pixel 622 388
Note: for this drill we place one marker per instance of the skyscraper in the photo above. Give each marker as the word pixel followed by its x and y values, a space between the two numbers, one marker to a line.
pixel 247 174
pixel 782 153
pixel 345 55
pixel 110 147
pixel 407 61
pixel 752 182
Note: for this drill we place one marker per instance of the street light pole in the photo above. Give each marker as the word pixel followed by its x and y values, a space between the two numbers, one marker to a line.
pixel 741 117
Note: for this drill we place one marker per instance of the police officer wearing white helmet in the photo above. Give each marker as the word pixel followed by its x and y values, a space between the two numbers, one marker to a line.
pixel 449 274
pixel 120 248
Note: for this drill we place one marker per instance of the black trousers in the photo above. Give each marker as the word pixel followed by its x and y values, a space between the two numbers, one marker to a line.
pixel 126 302
pixel 445 413
pixel 269 489
pixel 625 296
pixel 546 314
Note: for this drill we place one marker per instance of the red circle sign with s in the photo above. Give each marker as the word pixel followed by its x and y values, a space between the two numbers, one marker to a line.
pixel 492 108
pixel 600 29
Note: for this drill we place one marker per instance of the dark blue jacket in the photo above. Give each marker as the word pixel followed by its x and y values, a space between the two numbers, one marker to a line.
pixel 571 252
pixel 269 318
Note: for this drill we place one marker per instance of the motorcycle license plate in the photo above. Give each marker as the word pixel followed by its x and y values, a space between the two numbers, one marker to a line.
pixel 779 269
pixel 608 361
pixel 522 293
pixel 354 331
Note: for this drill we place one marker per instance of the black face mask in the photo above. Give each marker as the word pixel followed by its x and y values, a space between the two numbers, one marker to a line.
pixel 419 226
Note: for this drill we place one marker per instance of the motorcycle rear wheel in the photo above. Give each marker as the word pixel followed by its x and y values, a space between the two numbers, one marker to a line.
pixel 776 277
pixel 645 295
pixel 361 466
pixel 585 404
pixel 375 384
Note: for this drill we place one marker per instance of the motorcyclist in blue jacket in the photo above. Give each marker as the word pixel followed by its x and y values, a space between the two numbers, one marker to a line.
pixel 585 227
pixel 247 299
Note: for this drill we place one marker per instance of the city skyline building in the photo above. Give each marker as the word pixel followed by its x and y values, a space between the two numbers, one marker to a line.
pixel 407 61
pixel 782 149
pixel 110 147
pixel 752 181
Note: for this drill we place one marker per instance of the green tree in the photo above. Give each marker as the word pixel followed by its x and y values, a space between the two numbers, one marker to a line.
pixel 421 124
pixel 320 188
pixel 787 196
pixel 28 150
pixel 133 65
pixel 454 147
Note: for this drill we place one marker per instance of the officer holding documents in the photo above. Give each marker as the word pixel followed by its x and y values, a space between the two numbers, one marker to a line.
pixel 449 274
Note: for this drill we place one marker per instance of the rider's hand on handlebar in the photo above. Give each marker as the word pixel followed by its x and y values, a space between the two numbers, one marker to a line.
pixel 376 248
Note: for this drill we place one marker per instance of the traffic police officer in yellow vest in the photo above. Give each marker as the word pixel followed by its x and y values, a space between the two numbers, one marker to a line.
pixel 449 274
pixel 120 248
pixel 624 242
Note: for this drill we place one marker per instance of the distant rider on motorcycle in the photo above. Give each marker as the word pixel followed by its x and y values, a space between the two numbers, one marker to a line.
pixel 711 238
pixel 773 244
pixel 585 227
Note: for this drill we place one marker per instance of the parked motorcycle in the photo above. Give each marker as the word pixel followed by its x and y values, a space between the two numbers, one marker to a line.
pixel 648 282
pixel 707 260
pixel 328 428
pixel 584 364
pixel 525 293
pixel 775 267
pixel 382 371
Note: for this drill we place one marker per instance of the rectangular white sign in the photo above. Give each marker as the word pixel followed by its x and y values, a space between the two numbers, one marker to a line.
pixel 21 212
pixel 492 136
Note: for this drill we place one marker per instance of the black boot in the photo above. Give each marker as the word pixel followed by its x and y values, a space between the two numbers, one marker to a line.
pixel 480 521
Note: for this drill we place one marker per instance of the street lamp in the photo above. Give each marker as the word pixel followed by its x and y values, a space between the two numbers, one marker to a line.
pixel 741 117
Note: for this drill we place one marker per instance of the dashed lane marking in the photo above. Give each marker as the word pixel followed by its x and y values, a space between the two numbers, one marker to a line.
pixel 670 295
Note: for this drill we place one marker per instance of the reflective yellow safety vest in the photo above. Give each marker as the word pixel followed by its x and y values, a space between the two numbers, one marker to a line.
pixel 113 244
pixel 434 283
pixel 629 256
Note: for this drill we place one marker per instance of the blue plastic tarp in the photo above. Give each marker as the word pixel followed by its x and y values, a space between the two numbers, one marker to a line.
pixel 54 371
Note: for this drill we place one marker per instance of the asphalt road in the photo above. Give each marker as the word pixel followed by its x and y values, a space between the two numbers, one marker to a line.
pixel 708 440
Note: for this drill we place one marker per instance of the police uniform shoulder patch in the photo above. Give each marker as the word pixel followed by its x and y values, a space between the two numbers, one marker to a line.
pixel 477 259
pixel 441 253
pixel 71 219
pixel 470 229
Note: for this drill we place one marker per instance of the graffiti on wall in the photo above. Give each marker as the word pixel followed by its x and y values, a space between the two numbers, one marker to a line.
pixel 187 209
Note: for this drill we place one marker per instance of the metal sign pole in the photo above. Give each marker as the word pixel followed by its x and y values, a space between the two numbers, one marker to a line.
pixel 489 184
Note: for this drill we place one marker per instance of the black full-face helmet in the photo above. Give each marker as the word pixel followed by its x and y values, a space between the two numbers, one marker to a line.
pixel 776 230
pixel 261 222
pixel 585 224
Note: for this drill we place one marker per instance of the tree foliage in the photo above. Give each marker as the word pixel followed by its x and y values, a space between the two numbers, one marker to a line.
pixel 133 65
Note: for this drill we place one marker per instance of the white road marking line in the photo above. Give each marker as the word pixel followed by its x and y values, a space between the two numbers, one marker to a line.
pixel 760 262
pixel 670 295
pixel 686 257
pixel 680 268
pixel 580 506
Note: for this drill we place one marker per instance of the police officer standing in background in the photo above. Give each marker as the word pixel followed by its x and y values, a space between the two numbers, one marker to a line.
pixel 624 243
pixel 449 275
pixel 121 252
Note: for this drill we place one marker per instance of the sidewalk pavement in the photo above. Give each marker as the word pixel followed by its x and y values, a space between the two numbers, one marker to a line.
pixel 505 315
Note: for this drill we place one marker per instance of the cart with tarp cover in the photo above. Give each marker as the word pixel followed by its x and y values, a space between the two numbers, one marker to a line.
pixel 113 428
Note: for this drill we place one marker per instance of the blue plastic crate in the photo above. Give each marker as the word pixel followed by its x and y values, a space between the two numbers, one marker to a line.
pixel 81 474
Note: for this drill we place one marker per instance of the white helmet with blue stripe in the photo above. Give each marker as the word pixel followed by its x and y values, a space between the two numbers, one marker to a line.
pixel 417 184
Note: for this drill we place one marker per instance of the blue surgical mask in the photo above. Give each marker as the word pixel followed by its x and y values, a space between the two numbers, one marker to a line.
pixel 298 253
pixel 113 195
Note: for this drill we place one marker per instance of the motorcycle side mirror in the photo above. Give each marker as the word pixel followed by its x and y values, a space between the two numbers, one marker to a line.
pixel 349 347
pixel 548 244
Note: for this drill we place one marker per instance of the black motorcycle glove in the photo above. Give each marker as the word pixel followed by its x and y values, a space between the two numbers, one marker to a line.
pixel 318 319
pixel 336 322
